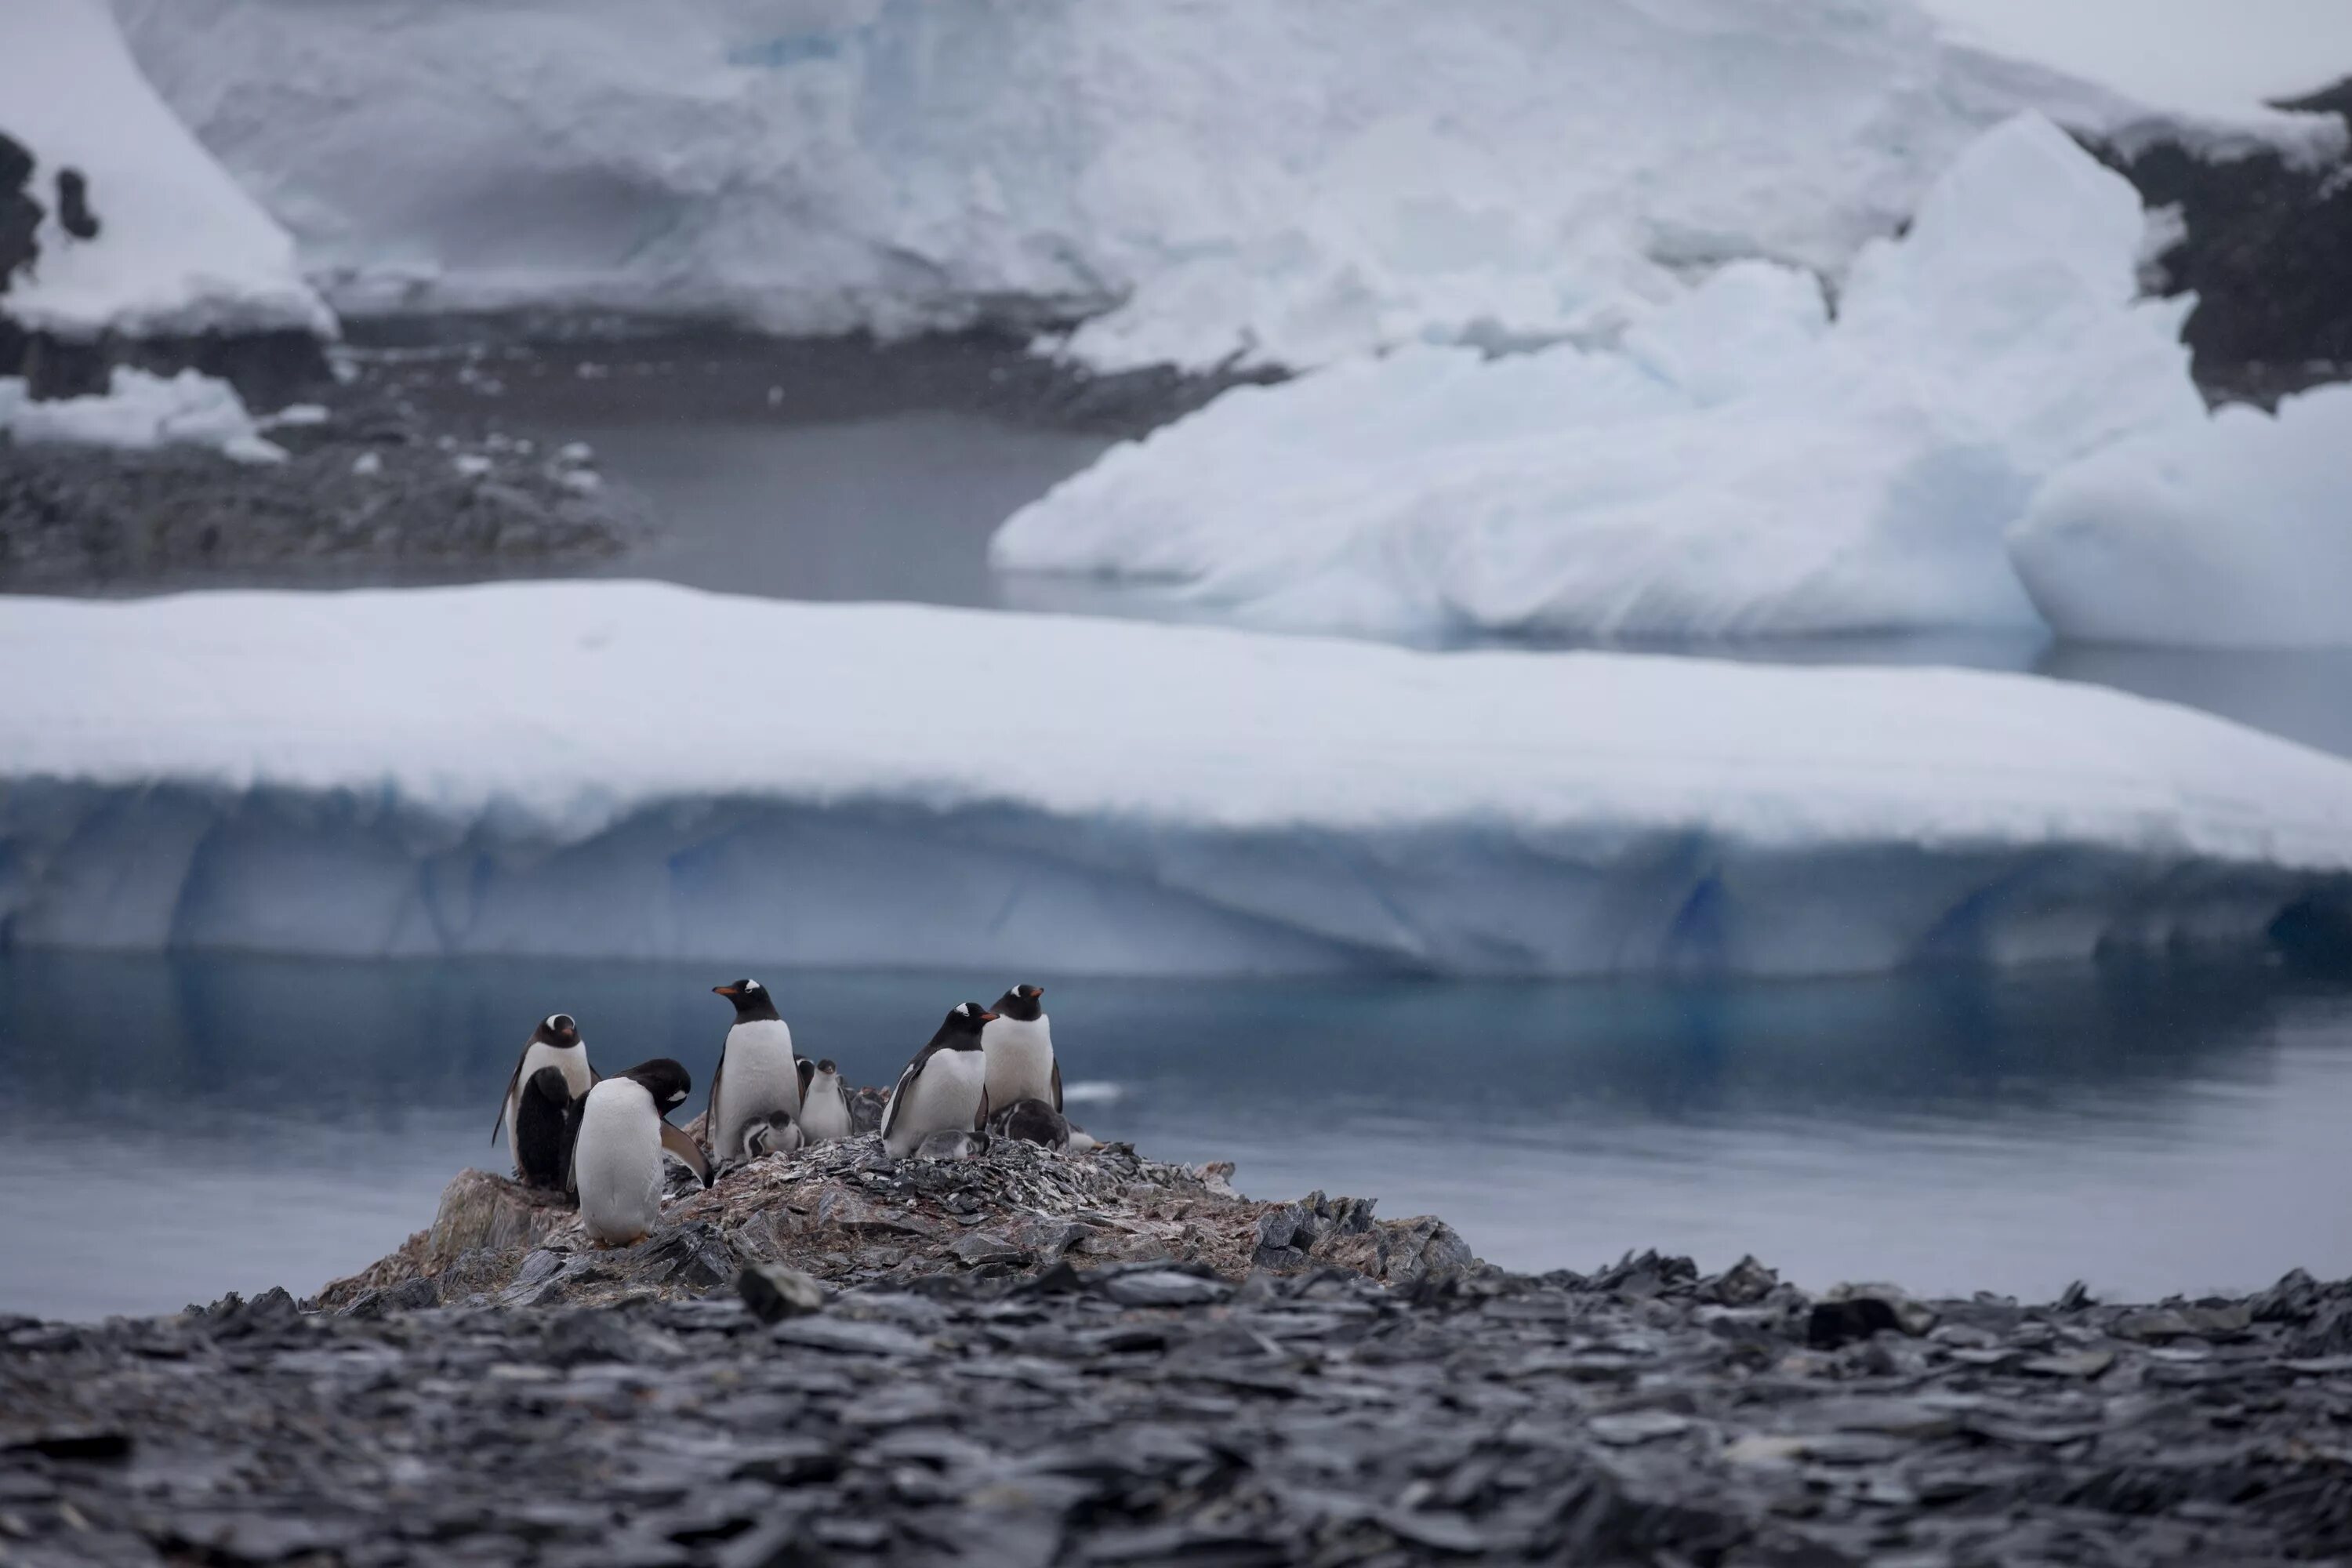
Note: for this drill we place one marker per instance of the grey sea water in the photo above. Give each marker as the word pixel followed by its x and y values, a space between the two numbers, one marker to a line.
pixel 173 1127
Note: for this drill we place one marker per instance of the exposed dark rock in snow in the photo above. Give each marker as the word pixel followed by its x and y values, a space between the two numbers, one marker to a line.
pixel 268 369
pixel 2267 248
pixel 357 495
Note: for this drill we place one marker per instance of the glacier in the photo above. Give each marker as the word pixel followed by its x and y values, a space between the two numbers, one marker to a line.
pixel 636 769
pixel 1206 183
pixel 1743 464
pixel 2233 532
pixel 180 248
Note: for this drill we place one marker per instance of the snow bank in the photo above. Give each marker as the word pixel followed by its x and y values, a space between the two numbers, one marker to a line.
pixel 2233 531
pixel 1741 466
pixel 631 769
pixel 180 249
pixel 1288 184
pixel 141 411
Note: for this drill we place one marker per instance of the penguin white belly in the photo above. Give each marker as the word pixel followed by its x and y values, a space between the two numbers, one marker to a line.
pixel 616 1163
pixel 571 1060
pixel 757 1075
pixel 1020 1060
pixel 946 1094
pixel 825 1117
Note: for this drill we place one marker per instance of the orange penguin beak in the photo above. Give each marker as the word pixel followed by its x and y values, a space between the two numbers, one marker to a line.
pixel 724 991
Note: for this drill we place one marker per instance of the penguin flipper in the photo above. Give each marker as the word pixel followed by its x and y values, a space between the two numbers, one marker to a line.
pixel 807 1071
pixel 979 1122
pixel 686 1149
pixel 1057 1084
pixel 514 1082
pixel 710 1111
pixel 898 1090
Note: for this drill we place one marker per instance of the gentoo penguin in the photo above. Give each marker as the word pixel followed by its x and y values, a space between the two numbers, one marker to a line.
pixel 945 1086
pixel 556 1043
pixel 757 1072
pixel 546 1121
pixel 617 1162
pixel 1020 1047
pixel 824 1102
pixel 1031 1122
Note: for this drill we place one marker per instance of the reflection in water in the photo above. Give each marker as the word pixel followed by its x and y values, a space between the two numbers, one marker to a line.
pixel 170 1129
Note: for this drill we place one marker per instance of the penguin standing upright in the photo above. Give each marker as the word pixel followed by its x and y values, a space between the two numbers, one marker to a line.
pixel 824 1102
pixel 616 1160
pixel 556 1043
pixel 546 1121
pixel 757 1074
pixel 945 1087
pixel 1020 1047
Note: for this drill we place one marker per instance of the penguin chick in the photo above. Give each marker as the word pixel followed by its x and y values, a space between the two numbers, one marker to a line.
pixel 824 1102
pixel 1032 1122
pixel 952 1143
pixel 776 1133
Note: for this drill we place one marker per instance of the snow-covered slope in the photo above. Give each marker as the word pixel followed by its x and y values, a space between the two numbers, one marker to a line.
pixel 632 769
pixel 1741 466
pixel 2232 531
pixel 1287 182
pixel 138 411
pixel 180 248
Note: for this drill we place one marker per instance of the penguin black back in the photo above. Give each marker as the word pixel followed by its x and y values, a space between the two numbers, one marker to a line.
pixel 666 1079
pixel 547 1124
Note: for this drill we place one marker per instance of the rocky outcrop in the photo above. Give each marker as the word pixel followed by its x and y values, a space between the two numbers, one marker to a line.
pixel 366 490
pixel 2265 243
pixel 1158 1413
pixel 848 1214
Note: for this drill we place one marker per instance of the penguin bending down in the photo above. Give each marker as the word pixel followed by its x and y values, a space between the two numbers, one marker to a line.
pixel 1020 1047
pixel 1031 1122
pixel 757 1072
pixel 945 1086
pixel 824 1102
pixel 556 1043
pixel 616 1160
pixel 546 1123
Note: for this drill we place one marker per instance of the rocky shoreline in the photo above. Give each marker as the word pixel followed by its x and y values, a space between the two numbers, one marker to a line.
pixel 1034 1357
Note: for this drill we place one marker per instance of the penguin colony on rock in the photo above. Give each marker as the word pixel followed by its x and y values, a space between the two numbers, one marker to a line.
pixel 987 1072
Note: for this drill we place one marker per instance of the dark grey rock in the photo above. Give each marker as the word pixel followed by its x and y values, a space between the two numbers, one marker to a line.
pixel 774 1292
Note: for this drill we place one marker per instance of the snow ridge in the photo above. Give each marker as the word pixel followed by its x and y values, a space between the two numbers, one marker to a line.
pixel 636 770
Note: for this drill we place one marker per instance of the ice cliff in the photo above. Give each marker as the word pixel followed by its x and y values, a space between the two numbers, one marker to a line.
pixel 627 769
pixel 1219 179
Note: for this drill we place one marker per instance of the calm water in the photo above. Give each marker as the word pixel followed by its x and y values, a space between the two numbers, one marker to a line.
pixel 170 1130
pixel 173 1129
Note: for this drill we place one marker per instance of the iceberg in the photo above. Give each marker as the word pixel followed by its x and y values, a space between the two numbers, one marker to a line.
pixel 1215 182
pixel 1741 465
pixel 2232 531
pixel 180 249
pixel 637 770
